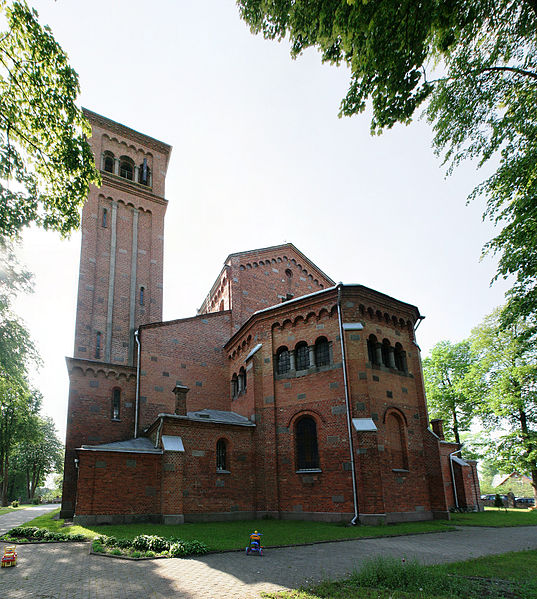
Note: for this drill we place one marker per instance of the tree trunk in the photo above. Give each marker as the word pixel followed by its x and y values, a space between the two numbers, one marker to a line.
pixel 5 468
pixel 456 427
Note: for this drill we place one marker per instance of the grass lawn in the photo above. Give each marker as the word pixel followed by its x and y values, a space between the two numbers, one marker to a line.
pixel 511 575
pixel 9 509
pixel 220 536
pixel 493 516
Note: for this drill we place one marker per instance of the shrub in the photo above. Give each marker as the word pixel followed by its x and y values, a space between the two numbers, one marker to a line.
pixel 135 554
pixel 115 552
pixel 177 550
pixel 498 501
pixel 141 542
pixel 124 543
pixel 149 554
pixel 196 548
pixel 39 533
pixel 35 500
pixel 15 503
pixel 20 531
pixel 101 539
pixel 97 547
pixel 110 541
pixel 158 544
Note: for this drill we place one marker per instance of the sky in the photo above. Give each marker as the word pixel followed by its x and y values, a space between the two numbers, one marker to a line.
pixel 259 158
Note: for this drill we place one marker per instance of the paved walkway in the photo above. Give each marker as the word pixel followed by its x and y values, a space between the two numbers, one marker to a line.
pixel 62 571
pixel 18 517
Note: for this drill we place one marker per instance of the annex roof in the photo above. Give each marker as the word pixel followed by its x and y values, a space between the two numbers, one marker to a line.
pixel 139 445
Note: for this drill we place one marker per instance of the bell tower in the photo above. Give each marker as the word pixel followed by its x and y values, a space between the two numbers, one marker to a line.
pixel 120 284
pixel 119 288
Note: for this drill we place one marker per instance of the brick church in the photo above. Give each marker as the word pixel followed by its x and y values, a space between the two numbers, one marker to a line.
pixel 287 395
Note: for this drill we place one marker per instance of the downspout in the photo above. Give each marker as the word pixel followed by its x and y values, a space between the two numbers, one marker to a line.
pixel 354 521
pixel 453 477
pixel 137 404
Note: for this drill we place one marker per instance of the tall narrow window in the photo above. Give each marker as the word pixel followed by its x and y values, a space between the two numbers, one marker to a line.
pixel 234 387
pixel 104 221
pixel 307 452
pixel 142 290
pixel 322 352
pixel 302 356
pixel 242 380
pixel 116 403
pixel 283 361
pixel 126 168
pixel 221 457
pixel 396 441
pixel 372 349
pixel 386 353
pixel 108 162
pixel 400 358
pixel 143 173
pixel 97 345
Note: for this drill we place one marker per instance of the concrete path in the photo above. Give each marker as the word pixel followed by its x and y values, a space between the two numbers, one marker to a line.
pixel 18 517
pixel 60 571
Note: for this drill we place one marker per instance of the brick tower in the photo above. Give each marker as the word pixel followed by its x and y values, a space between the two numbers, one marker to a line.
pixel 120 287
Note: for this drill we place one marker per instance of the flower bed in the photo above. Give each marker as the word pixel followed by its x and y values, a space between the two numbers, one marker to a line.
pixel 33 534
pixel 144 546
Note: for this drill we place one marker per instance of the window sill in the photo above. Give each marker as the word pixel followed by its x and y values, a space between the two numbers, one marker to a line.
pixel 400 470
pixel 116 419
pixel 222 471
pixel 308 470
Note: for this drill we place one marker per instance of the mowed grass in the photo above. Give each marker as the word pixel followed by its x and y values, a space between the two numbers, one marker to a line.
pixel 222 536
pixel 496 517
pixel 511 575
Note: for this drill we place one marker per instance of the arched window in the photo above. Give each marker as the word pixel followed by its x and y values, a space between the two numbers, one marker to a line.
pixel 400 358
pixel 221 307
pixel 126 168
pixel 221 455
pixel 104 221
pixel 322 352
pixel 283 361
pixel 144 174
pixel 142 291
pixel 234 387
pixel 108 162
pixel 288 273
pixel 307 452
pixel 242 380
pixel 372 349
pixel 97 345
pixel 116 403
pixel 396 440
pixel 386 353
pixel 302 356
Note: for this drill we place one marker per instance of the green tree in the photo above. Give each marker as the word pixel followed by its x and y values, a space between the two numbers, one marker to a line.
pixel 473 61
pixel 17 355
pixel 445 372
pixel 39 452
pixel 506 371
pixel 46 164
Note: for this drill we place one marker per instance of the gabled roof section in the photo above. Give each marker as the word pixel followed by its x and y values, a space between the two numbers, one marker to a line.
pixel 281 248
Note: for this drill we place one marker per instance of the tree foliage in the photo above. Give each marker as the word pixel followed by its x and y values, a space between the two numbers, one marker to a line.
pixel 445 374
pixel 46 164
pixel 473 61
pixel 506 372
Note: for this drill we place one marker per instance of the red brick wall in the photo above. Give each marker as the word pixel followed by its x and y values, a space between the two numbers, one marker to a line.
pixel 194 486
pixel 89 413
pixel 118 483
pixel 185 352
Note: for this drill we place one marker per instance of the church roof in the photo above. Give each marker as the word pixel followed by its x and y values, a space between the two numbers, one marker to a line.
pixel 214 416
pixel 139 445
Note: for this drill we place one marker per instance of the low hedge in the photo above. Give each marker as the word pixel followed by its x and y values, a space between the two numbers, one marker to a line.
pixel 148 546
pixel 33 533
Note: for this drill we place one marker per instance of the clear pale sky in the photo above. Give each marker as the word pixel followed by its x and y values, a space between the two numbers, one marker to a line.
pixel 259 158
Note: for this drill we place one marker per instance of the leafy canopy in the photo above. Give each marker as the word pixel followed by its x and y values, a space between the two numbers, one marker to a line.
pixel 474 61
pixel 445 374
pixel 46 164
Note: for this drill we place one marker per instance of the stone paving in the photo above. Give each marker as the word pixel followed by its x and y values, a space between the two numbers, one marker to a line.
pixel 60 571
